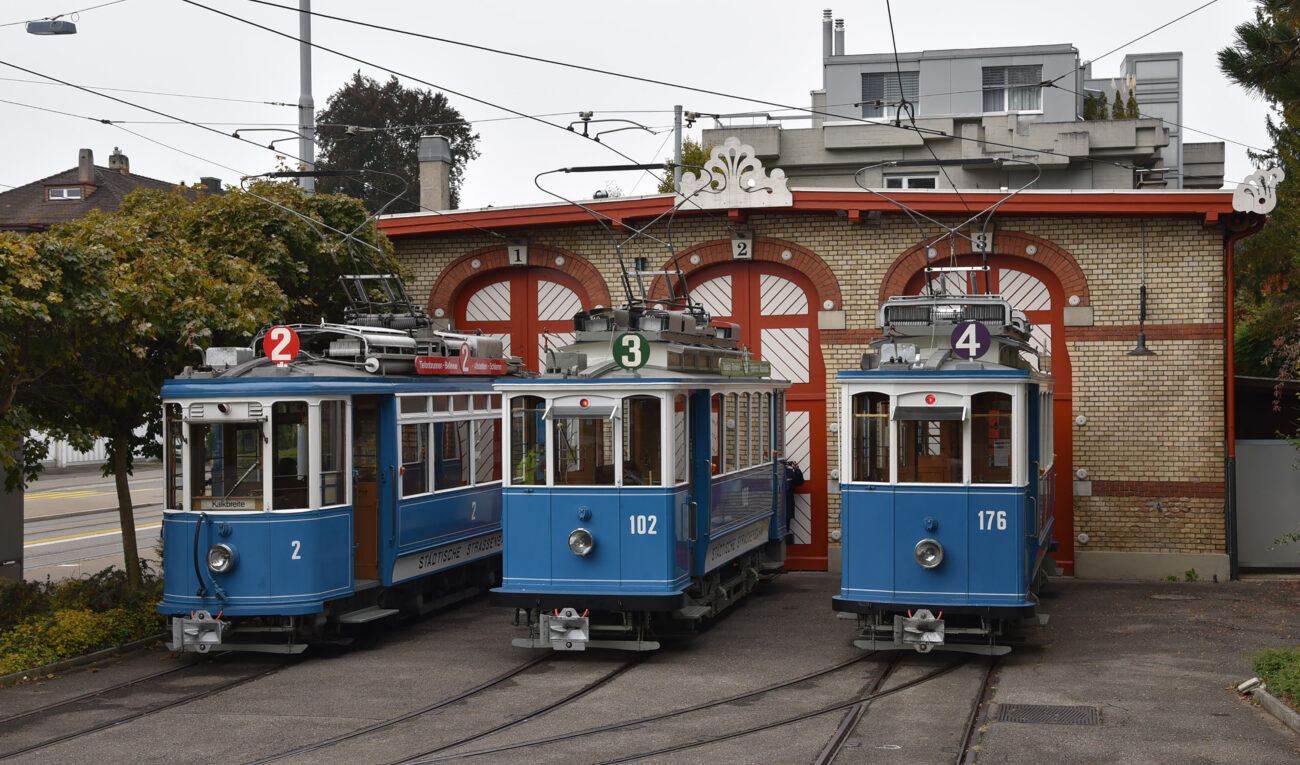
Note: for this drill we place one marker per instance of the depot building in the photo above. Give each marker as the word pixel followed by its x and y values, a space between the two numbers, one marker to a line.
pixel 1144 410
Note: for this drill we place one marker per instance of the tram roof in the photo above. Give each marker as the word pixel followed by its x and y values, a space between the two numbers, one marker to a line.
pixel 215 387
pixel 1208 205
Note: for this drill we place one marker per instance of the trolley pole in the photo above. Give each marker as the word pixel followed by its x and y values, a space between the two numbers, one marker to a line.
pixel 677 156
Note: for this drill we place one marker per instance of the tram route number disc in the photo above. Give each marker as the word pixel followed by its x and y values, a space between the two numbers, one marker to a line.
pixel 280 344
pixel 631 350
pixel 971 339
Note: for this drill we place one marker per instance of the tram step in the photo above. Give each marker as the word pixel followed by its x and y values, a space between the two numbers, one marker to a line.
pixel 693 612
pixel 366 615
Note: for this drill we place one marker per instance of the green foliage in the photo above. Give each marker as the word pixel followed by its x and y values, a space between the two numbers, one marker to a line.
pixel 1265 60
pixel 1131 105
pixel 1279 668
pixel 45 622
pixel 1094 107
pixel 1190 575
pixel 371 126
pixel 1117 109
pixel 694 157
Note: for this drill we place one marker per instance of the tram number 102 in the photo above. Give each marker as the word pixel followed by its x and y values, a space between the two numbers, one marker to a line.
pixel 993 519
pixel 643 524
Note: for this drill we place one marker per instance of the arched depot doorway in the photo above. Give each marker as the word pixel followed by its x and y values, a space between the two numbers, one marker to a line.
pixel 528 308
pixel 775 306
pixel 1037 290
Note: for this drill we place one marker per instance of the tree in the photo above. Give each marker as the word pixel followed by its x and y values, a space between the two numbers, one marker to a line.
pixel 694 156
pixel 1265 60
pixel 146 286
pixel 369 126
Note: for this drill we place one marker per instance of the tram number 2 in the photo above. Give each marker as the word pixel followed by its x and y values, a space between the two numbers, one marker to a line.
pixel 297 550
pixel 993 519
pixel 643 524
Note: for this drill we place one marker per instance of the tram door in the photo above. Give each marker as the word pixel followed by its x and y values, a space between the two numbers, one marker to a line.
pixel 365 490
pixel 529 309
pixel 778 322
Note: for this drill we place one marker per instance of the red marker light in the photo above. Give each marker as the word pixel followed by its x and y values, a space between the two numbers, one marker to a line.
pixel 584 402
pixel 929 399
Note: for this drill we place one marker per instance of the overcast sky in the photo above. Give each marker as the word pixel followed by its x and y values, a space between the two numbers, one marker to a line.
pixel 763 49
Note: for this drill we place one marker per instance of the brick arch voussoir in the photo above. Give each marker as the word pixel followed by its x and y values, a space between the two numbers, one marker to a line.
pixel 453 278
pixel 1012 243
pixel 765 250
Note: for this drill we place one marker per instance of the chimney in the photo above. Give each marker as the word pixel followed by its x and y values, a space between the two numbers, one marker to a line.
pixel 86 166
pixel 839 37
pixel 118 161
pixel 827 50
pixel 435 172
pixel 210 185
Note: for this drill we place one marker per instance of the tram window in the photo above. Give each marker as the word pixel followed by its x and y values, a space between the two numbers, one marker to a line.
pixel 778 424
pixel 527 440
pixel 584 451
pixel 742 431
pixel 175 457
pixel 729 433
pixel 990 438
pixel 757 438
pixel 871 437
pixel 226 462
pixel 715 433
pixel 451 445
pixel 415 459
pixel 439 404
pixel 413 404
pixel 332 440
pixel 487 451
pixel 681 442
pixel 1047 419
pixel 765 427
pixel 929 451
pixel 480 402
pixel 289 445
pixel 642 442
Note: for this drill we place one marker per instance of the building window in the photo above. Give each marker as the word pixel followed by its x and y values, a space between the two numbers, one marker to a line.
pixel 881 94
pixel 911 181
pixel 1013 88
pixel 60 194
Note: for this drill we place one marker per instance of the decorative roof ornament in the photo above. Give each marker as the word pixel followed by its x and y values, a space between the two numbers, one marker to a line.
pixel 1258 193
pixel 738 180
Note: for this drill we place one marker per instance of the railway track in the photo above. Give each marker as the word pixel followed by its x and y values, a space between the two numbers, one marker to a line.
pixel 12 726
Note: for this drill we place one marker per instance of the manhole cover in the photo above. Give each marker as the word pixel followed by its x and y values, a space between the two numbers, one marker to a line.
pixel 1047 713
pixel 1172 597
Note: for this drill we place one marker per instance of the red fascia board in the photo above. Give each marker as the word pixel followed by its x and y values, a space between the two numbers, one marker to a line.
pixel 1207 205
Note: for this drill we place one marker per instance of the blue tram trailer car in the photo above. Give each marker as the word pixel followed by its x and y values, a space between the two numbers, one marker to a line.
pixel 340 487
pixel 645 491
pixel 947 477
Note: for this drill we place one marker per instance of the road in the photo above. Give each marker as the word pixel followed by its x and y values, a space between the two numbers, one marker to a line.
pixel 71 526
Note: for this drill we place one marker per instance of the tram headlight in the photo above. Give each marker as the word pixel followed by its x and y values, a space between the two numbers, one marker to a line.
pixel 929 553
pixel 221 558
pixel 581 542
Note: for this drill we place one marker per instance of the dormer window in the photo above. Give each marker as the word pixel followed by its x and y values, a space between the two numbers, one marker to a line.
pixel 1013 88
pixel 64 193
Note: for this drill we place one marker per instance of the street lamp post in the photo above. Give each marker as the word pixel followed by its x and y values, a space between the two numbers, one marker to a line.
pixel 306 107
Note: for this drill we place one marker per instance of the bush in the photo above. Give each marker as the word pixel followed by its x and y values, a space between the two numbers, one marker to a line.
pixel 45 622
pixel 1279 668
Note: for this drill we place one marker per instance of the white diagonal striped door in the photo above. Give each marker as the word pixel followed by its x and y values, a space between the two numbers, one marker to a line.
pixel 774 306
pixel 529 309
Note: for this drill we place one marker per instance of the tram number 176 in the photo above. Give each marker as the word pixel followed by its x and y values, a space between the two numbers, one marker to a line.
pixel 643 524
pixel 993 519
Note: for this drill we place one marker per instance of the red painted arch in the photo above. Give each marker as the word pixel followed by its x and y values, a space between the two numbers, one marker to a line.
pixel 459 273
pixel 718 252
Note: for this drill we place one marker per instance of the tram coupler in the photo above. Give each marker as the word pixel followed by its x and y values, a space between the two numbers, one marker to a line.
pixel 565 630
pixel 200 632
pixel 919 630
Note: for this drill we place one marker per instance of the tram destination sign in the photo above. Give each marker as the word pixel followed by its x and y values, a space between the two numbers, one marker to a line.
pixel 745 368
pixel 460 365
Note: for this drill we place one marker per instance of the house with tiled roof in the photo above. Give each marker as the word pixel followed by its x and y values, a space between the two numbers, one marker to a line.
pixel 69 195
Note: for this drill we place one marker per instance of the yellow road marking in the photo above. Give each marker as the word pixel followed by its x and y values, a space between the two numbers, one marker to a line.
pixel 68 494
pixel 87 535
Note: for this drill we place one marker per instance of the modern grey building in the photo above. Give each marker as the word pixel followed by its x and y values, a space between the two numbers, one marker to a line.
pixel 986 113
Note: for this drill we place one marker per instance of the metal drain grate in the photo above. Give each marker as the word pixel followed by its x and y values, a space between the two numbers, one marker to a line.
pixel 1047 713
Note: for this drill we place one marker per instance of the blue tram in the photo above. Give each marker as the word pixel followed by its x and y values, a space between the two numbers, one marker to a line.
pixel 946 477
pixel 355 479
pixel 645 490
